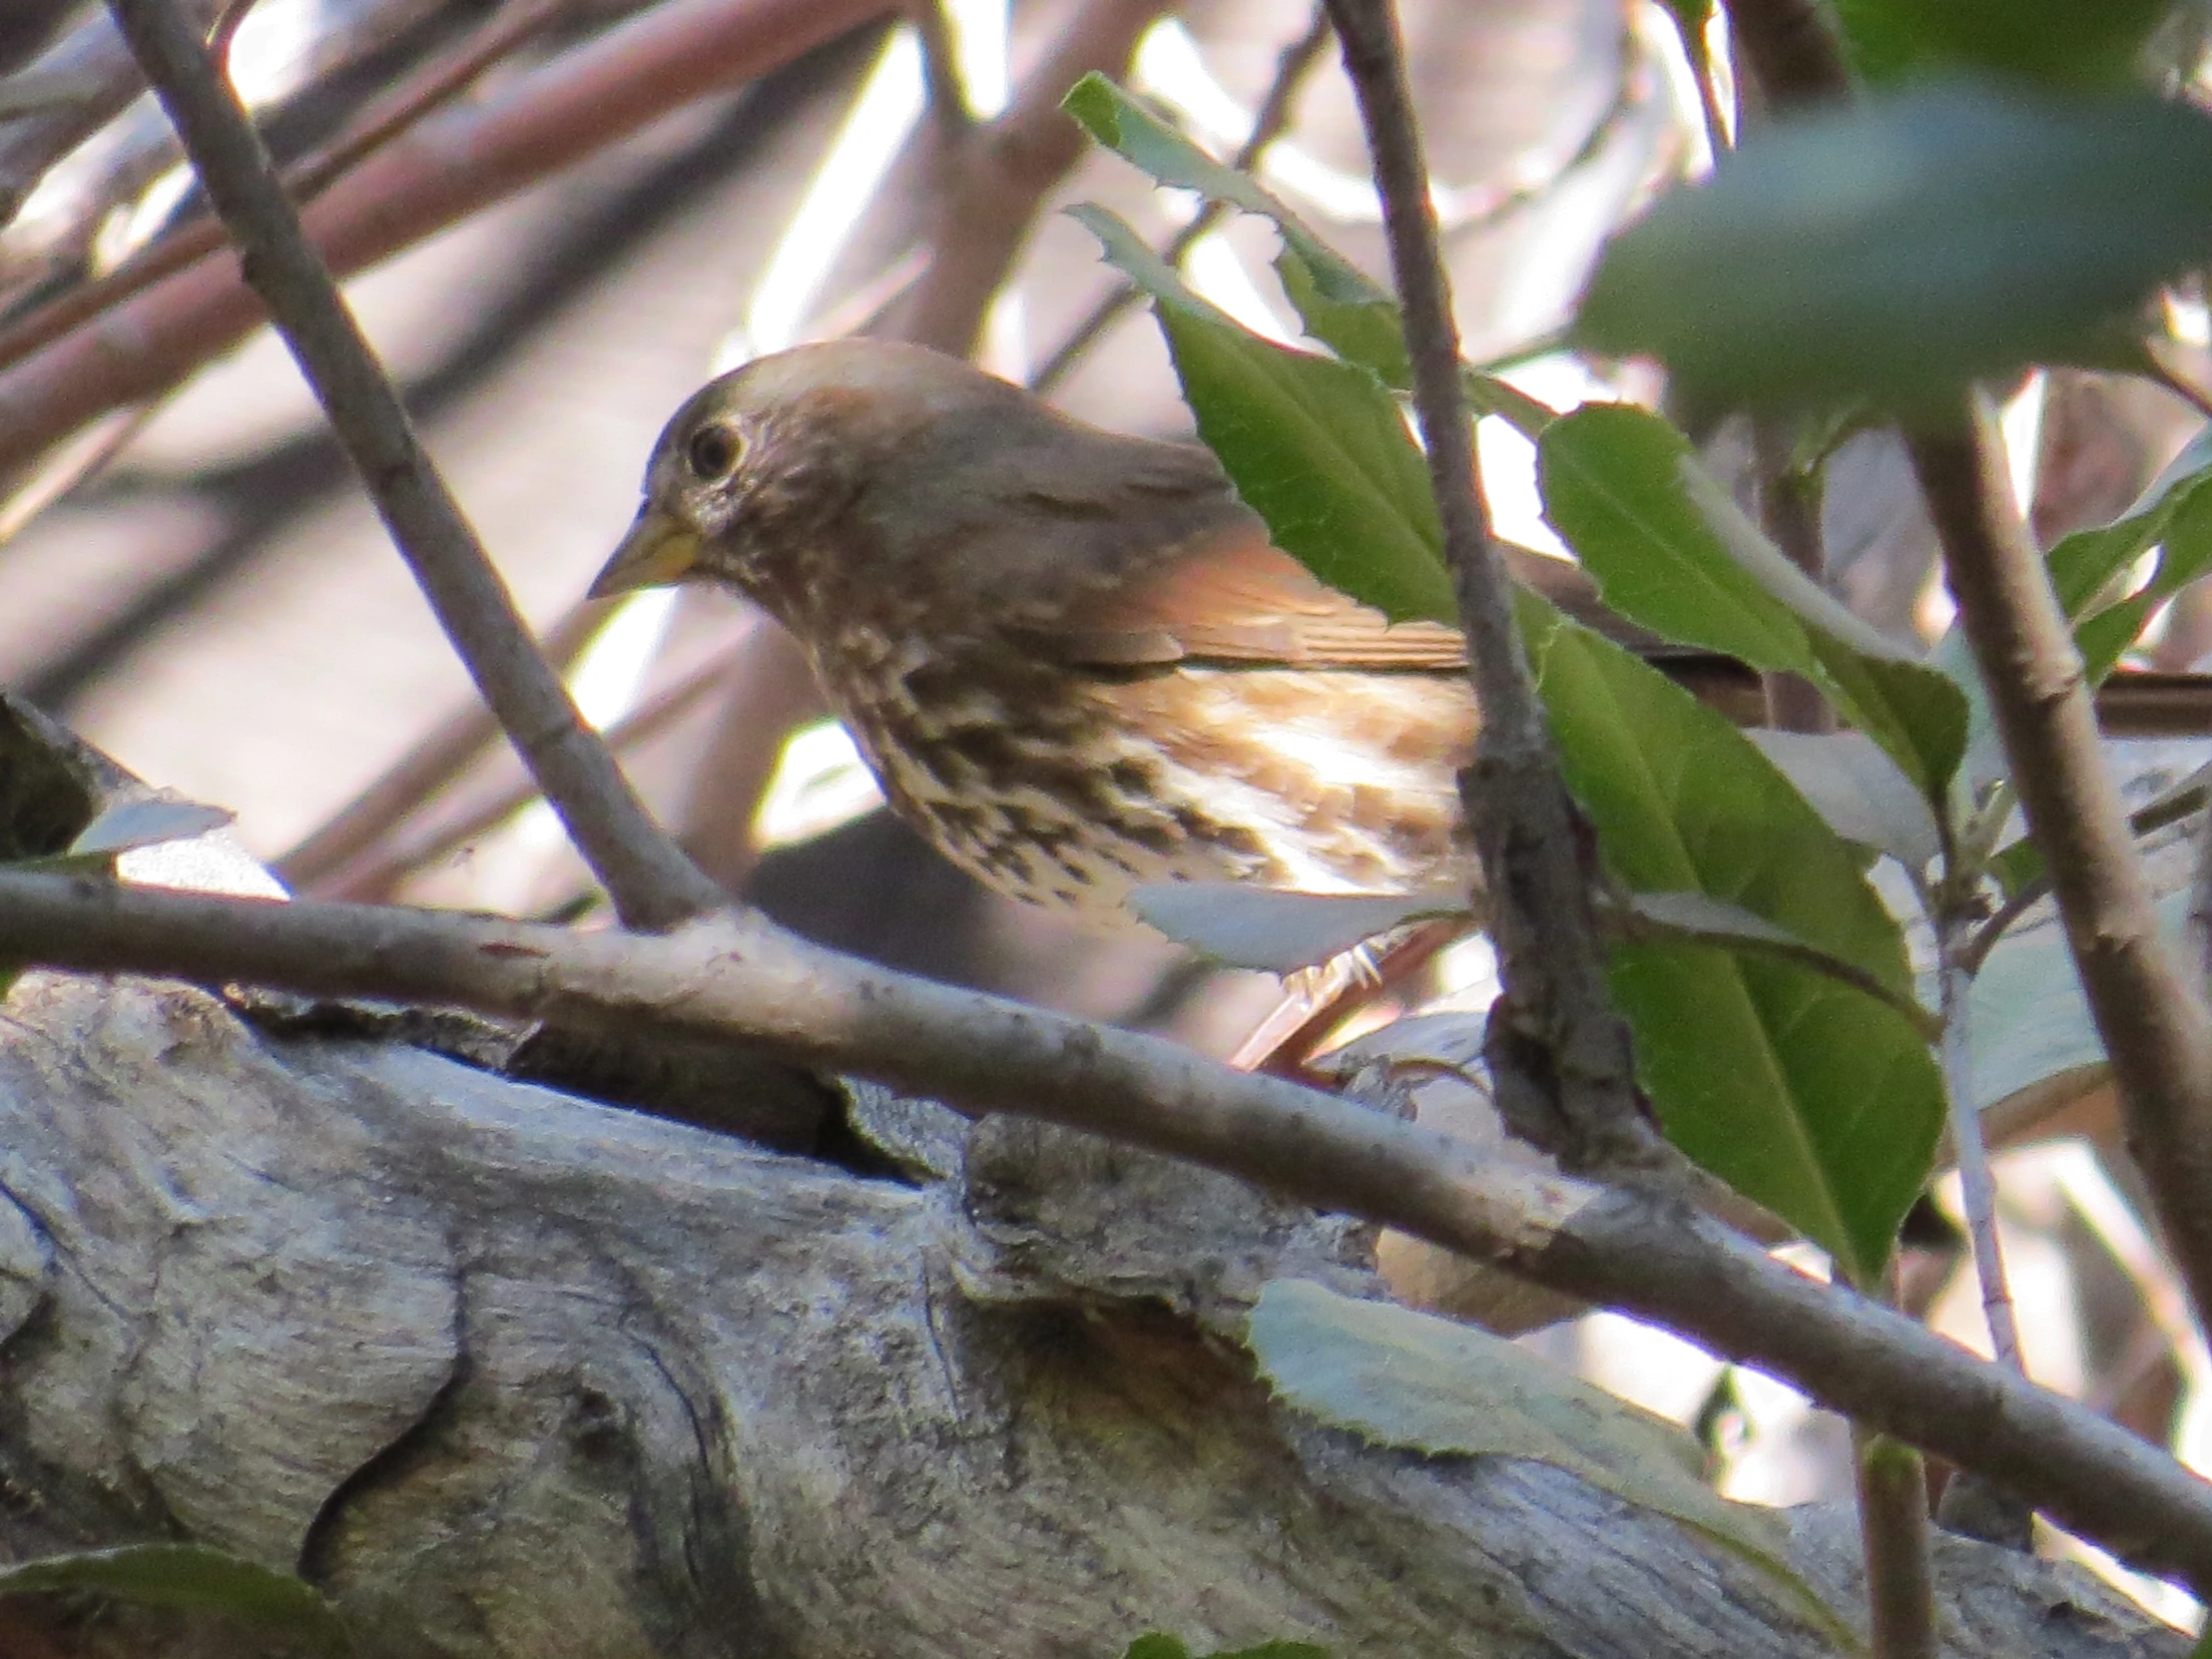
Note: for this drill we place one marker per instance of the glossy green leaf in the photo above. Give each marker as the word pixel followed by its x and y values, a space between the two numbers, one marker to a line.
pixel 1900 249
pixel 188 1579
pixel 1316 446
pixel 1820 1101
pixel 1699 918
pixel 2089 572
pixel 1339 303
pixel 1669 549
pixel 2030 1023
pixel 1401 1378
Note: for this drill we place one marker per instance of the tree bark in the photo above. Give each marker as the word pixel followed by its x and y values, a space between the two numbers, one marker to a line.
pixel 506 1373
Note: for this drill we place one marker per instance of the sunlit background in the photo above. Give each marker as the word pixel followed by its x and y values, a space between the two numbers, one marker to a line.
pixel 194 583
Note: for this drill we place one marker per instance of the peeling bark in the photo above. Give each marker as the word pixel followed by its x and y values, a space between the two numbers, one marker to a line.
pixel 504 1372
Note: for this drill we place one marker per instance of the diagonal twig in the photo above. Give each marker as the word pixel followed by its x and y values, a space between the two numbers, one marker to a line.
pixel 650 882
pixel 1557 1047
pixel 2154 1025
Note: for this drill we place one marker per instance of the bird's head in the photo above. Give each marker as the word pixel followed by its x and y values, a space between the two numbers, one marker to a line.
pixel 775 477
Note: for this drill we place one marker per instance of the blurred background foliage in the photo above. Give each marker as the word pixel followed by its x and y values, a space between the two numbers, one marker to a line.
pixel 566 214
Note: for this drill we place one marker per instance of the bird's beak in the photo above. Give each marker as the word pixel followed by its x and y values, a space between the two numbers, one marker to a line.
pixel 659 549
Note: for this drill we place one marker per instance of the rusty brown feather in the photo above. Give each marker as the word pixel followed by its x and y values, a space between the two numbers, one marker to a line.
pixel 1073 659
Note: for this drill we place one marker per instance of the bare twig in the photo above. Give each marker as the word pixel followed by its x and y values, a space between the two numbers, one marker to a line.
pixel 741 978
pixel 1977 1189
pixel 1269 123
pixel 768 694
pixel 650 882
pixel 68 468
pixel 1697 51
pixel 2155 1027
pixel 384 119
pixel 993 178
pixel 1557 1047
pixel 949 110
pixel 416 185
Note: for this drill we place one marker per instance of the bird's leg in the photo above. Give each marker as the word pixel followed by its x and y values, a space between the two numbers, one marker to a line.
pixel 1317 999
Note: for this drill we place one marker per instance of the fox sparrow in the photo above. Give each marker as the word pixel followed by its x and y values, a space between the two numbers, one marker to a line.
pixel 1073 659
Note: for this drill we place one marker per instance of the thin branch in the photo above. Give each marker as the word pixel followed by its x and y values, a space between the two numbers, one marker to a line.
pixel 949 110
pixel 2200 905
pixel 69 467
pixel 2154 1026
pixel 1977 1188
pixel 650 882
pixel 741 979
pixel 1697 51
pixel 1272 119
pixel 433 178
pixel 1558 1049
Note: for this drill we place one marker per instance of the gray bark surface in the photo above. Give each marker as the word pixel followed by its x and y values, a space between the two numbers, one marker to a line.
pixel 506 1373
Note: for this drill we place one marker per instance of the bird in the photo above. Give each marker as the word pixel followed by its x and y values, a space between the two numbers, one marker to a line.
pixel 1074 658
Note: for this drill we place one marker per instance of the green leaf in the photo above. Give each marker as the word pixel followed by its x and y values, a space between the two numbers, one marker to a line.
pixel 1699 918
pixel 1668 548
pixel 188 1579
pixel 1341 305
pixel 1905 246
pixel 1402 1378
pixel 1275 931
pixel 2062 43
pixel 1819 1101
pixel 2083 564
pixel 1316 447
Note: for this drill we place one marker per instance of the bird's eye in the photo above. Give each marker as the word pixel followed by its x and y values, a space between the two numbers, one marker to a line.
pixel 712 452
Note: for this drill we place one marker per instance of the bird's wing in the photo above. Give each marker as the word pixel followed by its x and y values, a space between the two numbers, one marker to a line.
pixel 1175 569
pixel 1231 597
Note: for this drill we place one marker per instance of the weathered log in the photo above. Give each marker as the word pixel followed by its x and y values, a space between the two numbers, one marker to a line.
pixel 505 1372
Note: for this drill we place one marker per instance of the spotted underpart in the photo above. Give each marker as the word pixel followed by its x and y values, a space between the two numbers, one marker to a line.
pixel 1069 801
pixel 1073 659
